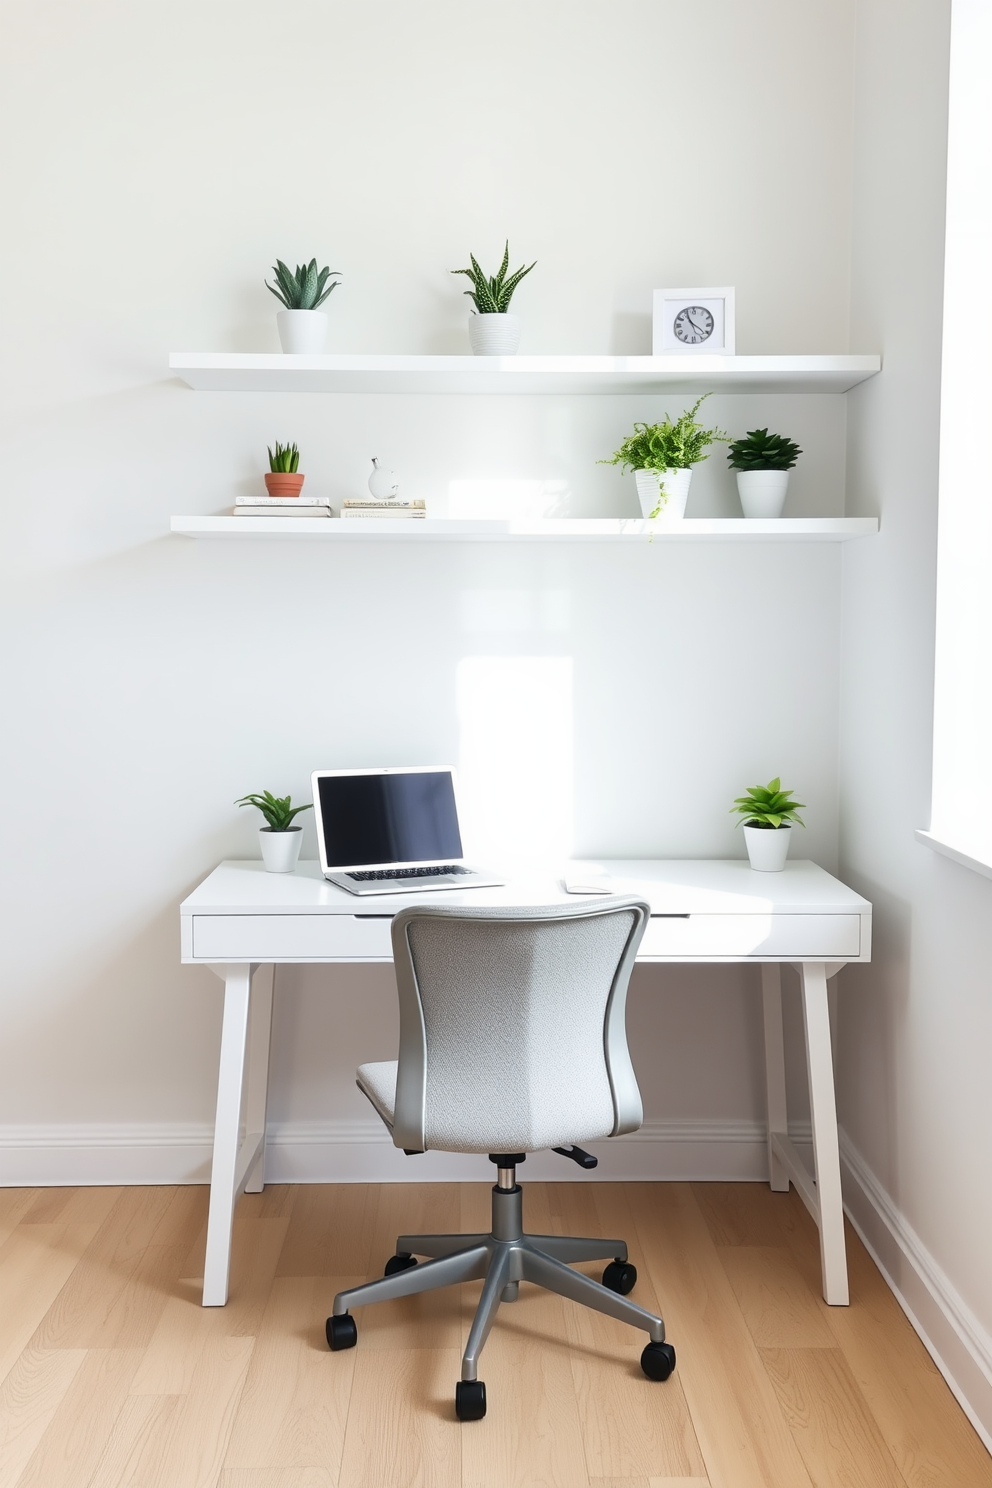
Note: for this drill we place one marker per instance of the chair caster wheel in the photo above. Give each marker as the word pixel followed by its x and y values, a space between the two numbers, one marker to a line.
pixel 399 1263
pixel 658 1360
pixel 341 1332
pixel 470 1400
pixel 620 1276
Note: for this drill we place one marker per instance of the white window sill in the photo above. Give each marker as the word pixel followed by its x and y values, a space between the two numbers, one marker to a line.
pixel 978 865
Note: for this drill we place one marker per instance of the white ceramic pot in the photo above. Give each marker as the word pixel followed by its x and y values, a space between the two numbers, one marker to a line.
pixel 767 847
pixel 302 331
pixel 494 335
pixel 280 850
pixel 762 492
pixel 676 483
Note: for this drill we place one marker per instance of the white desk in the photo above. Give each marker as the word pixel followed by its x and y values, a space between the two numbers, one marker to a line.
pixel 702 911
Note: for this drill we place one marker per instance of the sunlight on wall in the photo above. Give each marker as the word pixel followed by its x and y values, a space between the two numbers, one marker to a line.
pixel 507 498
pixel 515 765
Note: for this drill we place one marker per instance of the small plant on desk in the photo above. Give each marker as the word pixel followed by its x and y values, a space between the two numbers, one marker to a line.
pixel 768 812
pixel 762 462
pixel 279 840
pixel 492 330
pixel 302 326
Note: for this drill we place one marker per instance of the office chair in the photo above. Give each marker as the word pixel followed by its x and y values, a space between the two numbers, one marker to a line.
pixel 512 1040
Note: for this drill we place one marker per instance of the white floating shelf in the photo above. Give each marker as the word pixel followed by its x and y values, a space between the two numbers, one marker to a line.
pixel 248 372
pixel 592 529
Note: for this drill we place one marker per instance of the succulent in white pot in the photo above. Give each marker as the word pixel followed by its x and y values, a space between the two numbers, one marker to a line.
pixel 762 462
pixel 279 840
pixel 302 326
pixel 662 456
pixel 768 812
pixel 492 330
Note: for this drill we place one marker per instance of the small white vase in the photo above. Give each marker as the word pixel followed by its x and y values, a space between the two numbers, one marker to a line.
pixel 302 332
pixel 762 492
pixel 767 847
pixel 280 850
pixel 494 335
pixel 676 483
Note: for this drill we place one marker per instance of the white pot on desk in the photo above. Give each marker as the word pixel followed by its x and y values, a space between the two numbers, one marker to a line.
pixel 676 493
pixel 767 847
pixel 280 850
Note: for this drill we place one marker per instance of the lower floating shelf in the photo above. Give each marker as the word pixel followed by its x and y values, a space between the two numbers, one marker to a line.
pixel 564 529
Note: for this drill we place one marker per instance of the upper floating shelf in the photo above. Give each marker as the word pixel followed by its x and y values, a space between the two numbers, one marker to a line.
pixel 589 529
pixel 250 372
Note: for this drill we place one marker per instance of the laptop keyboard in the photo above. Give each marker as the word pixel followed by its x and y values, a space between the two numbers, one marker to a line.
pixel 367 875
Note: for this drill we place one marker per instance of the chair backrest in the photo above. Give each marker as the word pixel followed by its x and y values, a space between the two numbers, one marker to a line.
pixel 512 1025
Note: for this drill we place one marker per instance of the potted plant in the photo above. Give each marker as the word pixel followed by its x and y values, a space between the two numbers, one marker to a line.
pixel 768 812
pixel 282 478
pixel 492 330
pixel 279 840
pixel 302 326
pixel 662 456
pixel 762 462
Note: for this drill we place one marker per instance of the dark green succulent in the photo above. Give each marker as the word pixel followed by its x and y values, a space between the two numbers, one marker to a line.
pixel 286 460
pixel 768 806
pixel 303 290
pixel 763 451
pixel 275 809
pixel 492 296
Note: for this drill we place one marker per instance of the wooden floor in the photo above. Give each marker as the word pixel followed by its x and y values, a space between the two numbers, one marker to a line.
pixel 112 1374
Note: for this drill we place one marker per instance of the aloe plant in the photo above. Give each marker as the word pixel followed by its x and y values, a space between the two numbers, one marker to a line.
pixel 277 810
pixel 768 806
pixel 492 296
pixel 286 460
pixel 305 289
pixel 763 451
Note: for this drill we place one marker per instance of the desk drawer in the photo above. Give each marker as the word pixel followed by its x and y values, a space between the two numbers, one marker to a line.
pixel 708 936
pixel 291 938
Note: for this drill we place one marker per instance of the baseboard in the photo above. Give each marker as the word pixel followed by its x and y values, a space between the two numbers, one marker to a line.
pixel 953 1336
pixel 360 1151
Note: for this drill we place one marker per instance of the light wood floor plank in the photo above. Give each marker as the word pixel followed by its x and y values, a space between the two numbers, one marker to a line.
pixel 29 1398
pixel 678 1483
pixel 185 1326
pixel 14 1205
pixel 277 1477
pixel 294 1407
pixel 72 1205
pixel 75 1440
pixel 833 1427
pixel 330 1231
pixel 779 1307
pixel 743 1436
pixel 137 1438
pixel 744 1213
pixel 35 1264
pixel 119 1289
pixel 401 1427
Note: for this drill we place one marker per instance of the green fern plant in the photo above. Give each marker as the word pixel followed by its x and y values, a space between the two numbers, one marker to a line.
pixel 670 445
pixel 304 290
pixel 763 451
pixel 492 296
pixel 277 810
pixel 286 460
pixel 768 806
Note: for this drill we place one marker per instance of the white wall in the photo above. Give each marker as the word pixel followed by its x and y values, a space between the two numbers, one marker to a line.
pixel 916 1025
pixel 159 159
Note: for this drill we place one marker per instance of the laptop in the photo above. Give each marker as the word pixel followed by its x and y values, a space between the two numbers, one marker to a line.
pixel 392 831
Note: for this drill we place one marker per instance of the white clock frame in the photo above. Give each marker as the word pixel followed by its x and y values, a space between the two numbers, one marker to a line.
pixel 667 305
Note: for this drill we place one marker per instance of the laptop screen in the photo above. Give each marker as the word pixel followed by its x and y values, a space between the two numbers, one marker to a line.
pixel 388 818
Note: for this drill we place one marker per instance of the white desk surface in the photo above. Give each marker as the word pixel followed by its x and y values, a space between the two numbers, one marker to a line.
pixel 675 886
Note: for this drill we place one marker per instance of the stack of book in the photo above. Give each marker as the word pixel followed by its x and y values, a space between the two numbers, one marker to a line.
pixel 369 507
pixel 282 506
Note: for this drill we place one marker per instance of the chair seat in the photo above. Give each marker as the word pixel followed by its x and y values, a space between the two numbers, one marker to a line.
pixel 378 1083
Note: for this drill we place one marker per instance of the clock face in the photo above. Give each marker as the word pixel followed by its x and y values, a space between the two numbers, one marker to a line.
pixel 693 325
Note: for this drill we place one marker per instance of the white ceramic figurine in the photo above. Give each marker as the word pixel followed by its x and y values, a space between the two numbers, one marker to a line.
pixel 383 484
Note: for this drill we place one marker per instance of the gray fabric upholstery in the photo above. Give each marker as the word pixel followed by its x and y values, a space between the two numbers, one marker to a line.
pixel 512 1033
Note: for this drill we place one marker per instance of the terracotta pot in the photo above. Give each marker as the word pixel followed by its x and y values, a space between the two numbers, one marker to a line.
pixel 278 484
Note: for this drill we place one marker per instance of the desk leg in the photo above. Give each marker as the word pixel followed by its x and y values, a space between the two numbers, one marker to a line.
pixel 257 1083
pixel 224 1186
pixel 826 1149
pixel 777 1106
